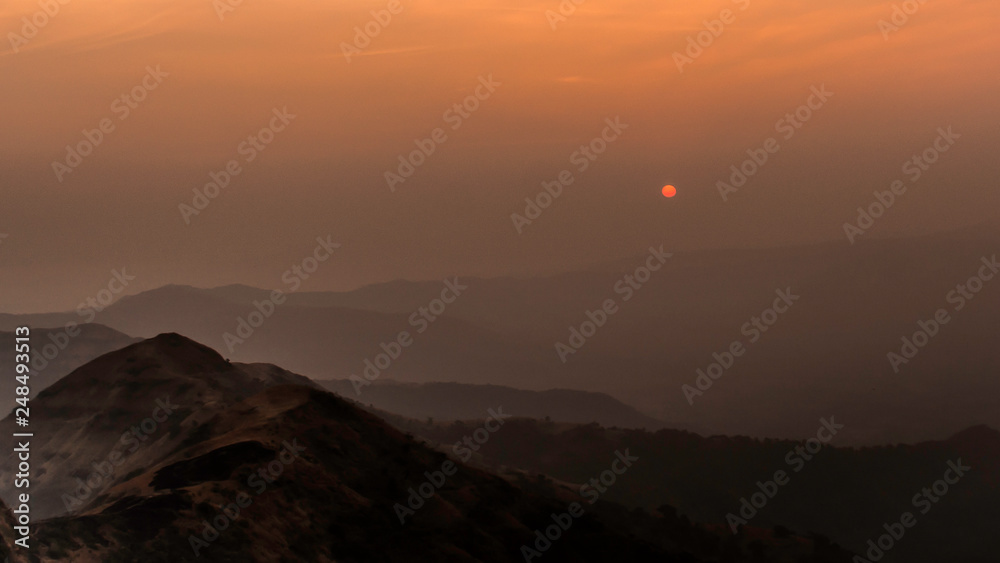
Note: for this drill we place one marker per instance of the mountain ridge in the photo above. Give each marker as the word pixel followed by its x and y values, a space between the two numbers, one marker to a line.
pixel 335 474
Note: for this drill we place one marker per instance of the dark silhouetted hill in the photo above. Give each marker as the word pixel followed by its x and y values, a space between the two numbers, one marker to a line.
pixel 844 493
pixel 313 477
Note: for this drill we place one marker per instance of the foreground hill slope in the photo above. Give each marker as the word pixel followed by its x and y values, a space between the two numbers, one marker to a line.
pixel 256 464
pixel 123 411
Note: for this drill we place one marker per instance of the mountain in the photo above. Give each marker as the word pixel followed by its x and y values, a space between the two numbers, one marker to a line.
pixel 56 352
pixel 828 353
pixel 456 401
pixel 104 416
pixel 842 492
pixel 332 342
pixel 256 464
pixel 851 306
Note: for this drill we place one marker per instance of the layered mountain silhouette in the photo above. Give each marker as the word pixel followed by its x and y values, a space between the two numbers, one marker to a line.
pixel 828 353
pixel 845 493
pixel 254 463
pixel 456 401
pixel 326 342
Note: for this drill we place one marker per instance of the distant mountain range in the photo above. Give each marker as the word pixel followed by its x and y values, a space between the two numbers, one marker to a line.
pixel 844 493
pixel 219 461
pixel 827 354
pixel 456 401
pixel 444 401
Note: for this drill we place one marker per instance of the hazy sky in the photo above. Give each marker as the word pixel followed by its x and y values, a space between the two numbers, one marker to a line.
pixel 324 173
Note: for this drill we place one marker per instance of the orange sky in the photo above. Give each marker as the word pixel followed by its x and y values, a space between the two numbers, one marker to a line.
pixel 325 173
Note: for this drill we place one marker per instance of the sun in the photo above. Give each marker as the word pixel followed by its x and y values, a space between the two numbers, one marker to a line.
pixel 669 191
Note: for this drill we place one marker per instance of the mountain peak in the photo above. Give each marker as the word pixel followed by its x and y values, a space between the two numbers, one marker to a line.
pixel 165 382
pixel 168 352
pixel 173 343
